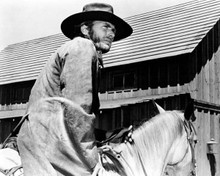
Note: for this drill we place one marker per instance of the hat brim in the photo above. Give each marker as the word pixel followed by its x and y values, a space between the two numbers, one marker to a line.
pixel 123 29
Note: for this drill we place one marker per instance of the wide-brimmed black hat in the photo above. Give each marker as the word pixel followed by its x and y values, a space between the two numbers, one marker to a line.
pixel 93 12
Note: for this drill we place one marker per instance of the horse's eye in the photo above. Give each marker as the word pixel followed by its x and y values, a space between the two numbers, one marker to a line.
pixel 195 141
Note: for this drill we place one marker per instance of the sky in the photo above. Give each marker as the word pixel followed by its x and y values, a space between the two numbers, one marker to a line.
pixel 22 20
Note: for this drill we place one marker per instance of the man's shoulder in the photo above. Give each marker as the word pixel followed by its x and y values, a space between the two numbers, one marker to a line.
pixel 76 45
pixel 79 42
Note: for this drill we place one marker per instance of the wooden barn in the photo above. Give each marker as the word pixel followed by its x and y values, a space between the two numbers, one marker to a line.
pixel 173 57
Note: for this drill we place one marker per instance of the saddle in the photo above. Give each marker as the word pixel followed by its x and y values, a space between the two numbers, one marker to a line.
pixel 116 136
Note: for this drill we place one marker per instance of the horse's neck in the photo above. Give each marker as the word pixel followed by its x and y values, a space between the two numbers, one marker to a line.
pixel 148 155
pixel 150 152
pixel 139 163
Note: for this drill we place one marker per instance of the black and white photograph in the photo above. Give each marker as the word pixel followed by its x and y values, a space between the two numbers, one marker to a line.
pixel 110 88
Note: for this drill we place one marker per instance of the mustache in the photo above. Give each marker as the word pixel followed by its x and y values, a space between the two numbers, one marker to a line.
pixel 109 38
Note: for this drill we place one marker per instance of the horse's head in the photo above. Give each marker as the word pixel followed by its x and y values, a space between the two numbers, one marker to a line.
pixel 183 161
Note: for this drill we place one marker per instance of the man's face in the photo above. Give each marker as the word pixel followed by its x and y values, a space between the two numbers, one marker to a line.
pixel 102 34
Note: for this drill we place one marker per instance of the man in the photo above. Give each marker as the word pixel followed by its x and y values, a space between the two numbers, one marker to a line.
pixel 72 73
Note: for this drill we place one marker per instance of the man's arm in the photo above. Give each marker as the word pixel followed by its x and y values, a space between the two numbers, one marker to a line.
pixel 76 76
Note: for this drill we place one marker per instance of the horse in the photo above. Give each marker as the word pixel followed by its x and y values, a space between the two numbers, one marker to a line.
pixel 163 142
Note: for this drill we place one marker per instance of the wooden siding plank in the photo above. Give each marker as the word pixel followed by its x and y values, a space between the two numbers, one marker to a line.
pixel 212 70
pixel 217 74
pixel 203 137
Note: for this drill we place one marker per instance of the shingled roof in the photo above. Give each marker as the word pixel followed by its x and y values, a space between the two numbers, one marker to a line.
pixel 157 34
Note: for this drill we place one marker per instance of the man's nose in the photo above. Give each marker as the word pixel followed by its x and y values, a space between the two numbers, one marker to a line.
pixel 111 34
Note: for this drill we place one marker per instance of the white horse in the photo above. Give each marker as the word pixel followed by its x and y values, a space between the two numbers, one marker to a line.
pixel 164 141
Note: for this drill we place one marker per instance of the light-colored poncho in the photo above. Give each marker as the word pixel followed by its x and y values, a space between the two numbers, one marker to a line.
pixel 72 73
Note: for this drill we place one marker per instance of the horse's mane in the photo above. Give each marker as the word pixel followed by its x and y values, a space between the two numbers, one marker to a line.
pixel 168 124
pixel 159 130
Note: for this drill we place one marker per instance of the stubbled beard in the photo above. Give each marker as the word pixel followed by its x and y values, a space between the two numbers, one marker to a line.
pixel 97 42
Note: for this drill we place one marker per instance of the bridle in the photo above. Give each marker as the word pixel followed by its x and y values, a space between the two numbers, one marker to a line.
pixel 192 140
pixel 191 133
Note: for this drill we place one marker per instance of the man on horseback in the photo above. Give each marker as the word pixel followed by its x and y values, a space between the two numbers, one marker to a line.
pixel 71 72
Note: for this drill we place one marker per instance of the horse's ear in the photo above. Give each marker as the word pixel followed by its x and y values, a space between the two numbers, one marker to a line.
pixel 189 111
pixel 157 107
pixel 160 109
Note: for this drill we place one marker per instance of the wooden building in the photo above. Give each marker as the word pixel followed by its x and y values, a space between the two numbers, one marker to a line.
pixel 173 57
